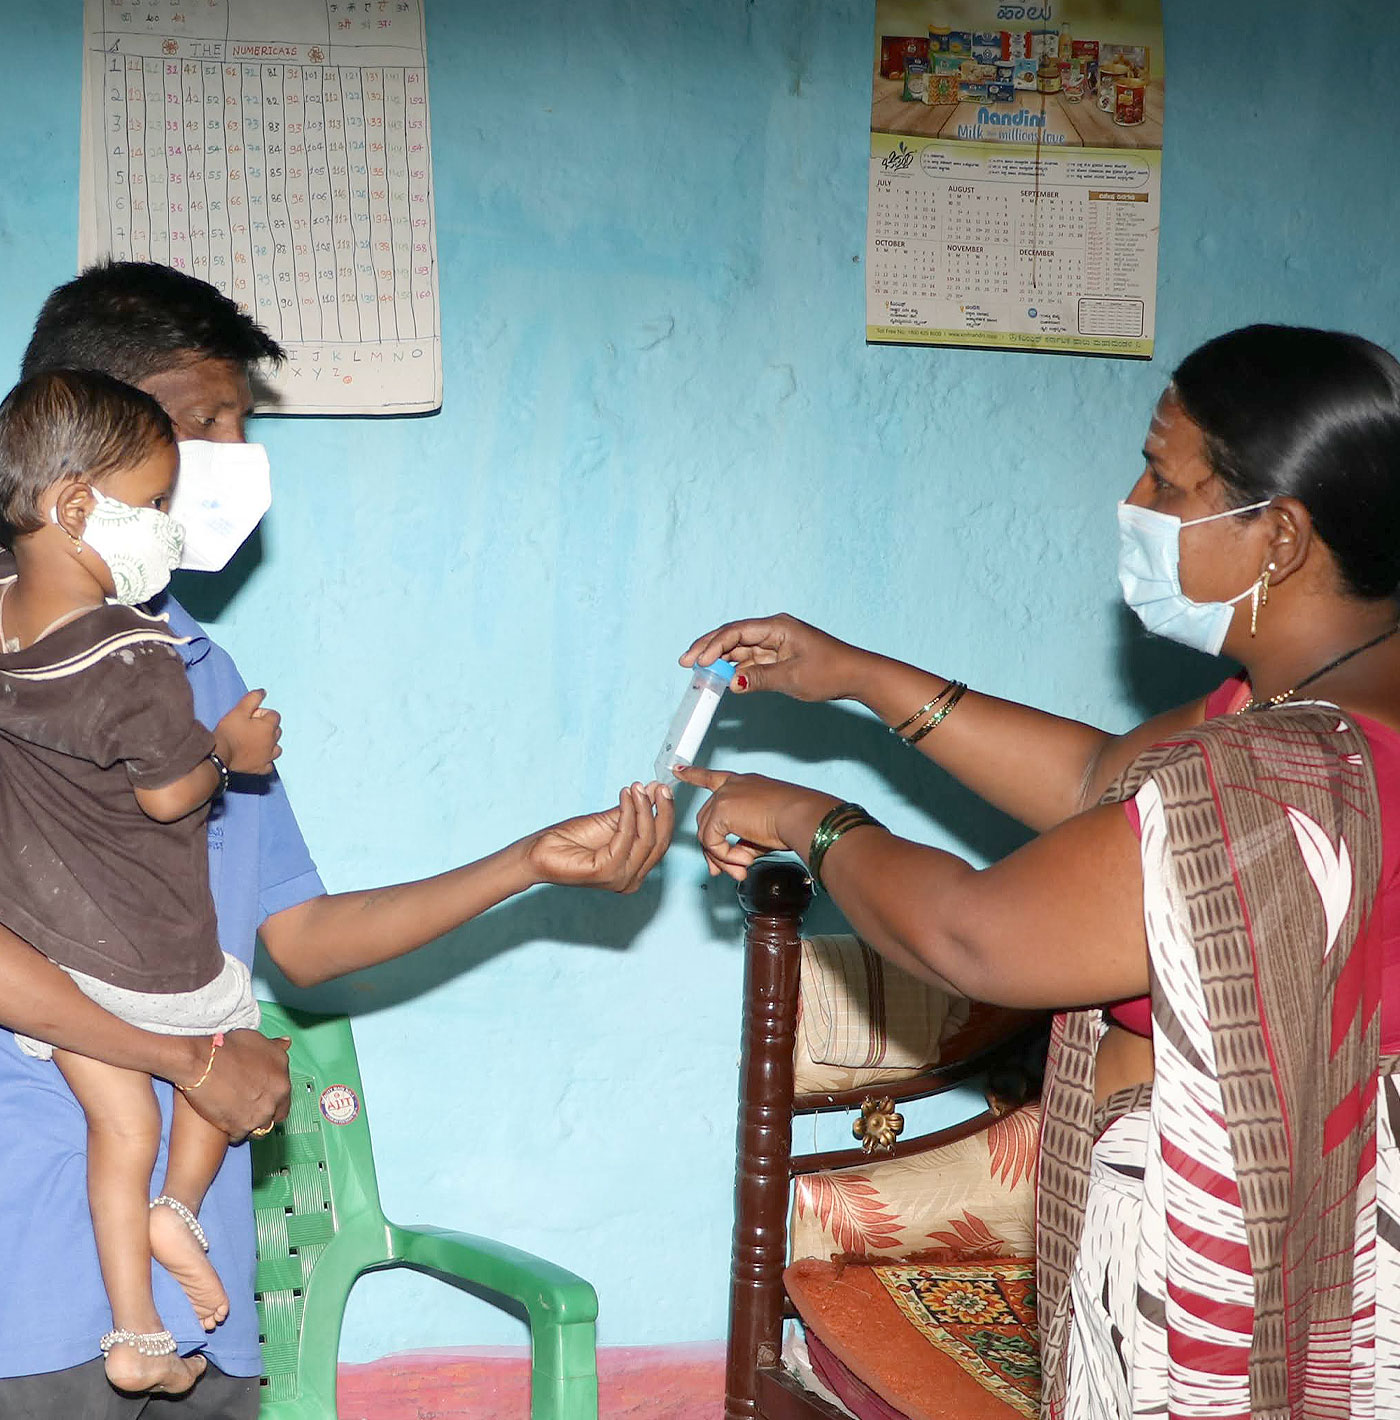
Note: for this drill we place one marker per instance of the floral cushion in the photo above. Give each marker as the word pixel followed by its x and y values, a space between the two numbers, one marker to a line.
pixel 862 1021
pixel 975 1197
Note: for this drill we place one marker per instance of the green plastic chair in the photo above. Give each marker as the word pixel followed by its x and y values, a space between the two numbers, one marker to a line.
pixel 320 1226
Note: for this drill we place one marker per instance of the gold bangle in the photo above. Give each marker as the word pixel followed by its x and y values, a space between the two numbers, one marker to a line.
pixel 938 717
pixel 208 1065
pixel 841 819
pixel 924 709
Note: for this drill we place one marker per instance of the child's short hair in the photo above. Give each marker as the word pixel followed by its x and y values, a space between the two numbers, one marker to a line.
pixel 69 424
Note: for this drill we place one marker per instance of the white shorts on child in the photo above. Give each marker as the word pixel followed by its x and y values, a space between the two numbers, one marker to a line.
pixel 226 1003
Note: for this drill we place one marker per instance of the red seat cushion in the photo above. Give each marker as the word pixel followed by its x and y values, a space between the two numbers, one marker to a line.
pixel 933 1339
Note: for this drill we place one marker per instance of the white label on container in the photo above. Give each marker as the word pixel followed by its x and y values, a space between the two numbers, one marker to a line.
pixel 696 726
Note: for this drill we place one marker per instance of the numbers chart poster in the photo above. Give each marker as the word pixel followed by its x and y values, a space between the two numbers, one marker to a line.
pixel 278 149
pixel 1015 175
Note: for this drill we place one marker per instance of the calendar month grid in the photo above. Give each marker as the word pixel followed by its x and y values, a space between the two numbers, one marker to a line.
pixel 970 245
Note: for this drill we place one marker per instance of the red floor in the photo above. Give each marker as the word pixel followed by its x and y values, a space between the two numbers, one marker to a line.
pixel 634 1383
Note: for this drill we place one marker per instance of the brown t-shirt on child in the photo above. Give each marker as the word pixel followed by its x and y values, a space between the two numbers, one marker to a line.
pixel 88 713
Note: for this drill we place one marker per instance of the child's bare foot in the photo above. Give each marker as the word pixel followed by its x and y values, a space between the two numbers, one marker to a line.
pixel 174 1374
pixel 177 1249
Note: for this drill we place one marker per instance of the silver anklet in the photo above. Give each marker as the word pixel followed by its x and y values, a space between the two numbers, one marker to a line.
pixel 185 1216
pixel 148 1343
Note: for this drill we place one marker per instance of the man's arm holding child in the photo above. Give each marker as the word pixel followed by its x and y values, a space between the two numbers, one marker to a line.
pixel 39 1000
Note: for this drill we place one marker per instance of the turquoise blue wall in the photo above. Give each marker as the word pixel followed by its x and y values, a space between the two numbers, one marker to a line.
pixel 660 413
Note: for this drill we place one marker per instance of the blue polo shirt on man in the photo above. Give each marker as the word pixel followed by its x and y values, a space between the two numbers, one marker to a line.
pixel 53 1308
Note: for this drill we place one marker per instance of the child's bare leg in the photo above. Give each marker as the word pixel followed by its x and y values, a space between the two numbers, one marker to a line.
pixel 123 1134
pixel 197 1149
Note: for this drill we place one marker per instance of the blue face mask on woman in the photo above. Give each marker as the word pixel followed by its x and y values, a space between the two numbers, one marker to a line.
pixel 1149 558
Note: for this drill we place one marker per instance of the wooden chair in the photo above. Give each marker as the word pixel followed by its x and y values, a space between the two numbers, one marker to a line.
pixel 1006 1046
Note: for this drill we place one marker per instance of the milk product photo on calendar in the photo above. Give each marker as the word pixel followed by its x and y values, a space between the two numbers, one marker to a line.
pixel 1015 175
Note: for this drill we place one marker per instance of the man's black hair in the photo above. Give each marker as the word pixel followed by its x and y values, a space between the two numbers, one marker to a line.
pixel 134 319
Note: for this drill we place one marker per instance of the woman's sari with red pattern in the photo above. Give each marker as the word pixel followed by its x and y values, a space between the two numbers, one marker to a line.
pixel 1230 1247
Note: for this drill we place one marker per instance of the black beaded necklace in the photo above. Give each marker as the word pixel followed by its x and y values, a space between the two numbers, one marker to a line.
pixel 1252 704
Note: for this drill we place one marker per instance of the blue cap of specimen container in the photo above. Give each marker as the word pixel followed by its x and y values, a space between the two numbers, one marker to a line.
pixel 723 669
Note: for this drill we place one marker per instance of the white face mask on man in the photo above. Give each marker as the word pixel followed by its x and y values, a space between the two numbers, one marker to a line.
pixel 220 496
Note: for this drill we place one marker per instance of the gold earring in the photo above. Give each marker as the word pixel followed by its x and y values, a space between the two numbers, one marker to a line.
pixel 1259 596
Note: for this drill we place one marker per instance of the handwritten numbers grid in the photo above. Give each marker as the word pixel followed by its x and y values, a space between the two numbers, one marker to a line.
pixel 298 185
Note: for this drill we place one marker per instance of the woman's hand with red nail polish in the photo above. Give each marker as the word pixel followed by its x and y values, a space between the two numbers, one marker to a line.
pixel 783 654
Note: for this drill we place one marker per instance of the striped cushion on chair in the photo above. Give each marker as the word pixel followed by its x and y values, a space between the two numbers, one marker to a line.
pixel 862 1021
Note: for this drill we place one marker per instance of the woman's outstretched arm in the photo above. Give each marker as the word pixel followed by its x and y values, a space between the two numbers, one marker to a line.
pixel 1057 923
pixel 1038 767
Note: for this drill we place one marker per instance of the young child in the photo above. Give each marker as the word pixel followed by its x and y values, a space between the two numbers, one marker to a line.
pixel 106 781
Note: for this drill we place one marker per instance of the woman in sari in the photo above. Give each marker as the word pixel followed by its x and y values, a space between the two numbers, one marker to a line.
pixel 1210 903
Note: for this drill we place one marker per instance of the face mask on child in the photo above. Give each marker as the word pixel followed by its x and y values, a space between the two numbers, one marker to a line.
pixel 222 493
pixel 141 546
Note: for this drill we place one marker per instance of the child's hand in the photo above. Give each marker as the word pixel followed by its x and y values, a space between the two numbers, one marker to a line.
pixel 248 736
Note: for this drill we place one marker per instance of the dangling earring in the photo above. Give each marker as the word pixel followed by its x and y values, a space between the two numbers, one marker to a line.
pixel 1259 596
pixel 76 541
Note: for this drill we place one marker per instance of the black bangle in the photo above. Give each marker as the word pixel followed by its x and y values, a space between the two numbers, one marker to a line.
pixel 223 774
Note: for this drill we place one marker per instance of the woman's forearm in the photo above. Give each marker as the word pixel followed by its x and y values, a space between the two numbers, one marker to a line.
pixel 878 901
pixel 1040 768
pixel 1037 767
pixel 1057 923
pixel 1030 764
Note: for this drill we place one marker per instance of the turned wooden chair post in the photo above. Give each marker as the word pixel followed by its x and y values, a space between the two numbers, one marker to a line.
pixel 775 896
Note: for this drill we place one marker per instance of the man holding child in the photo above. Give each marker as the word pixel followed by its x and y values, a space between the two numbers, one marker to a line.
pixel 180 341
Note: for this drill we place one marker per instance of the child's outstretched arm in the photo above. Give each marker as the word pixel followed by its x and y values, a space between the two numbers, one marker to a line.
pixel 245 742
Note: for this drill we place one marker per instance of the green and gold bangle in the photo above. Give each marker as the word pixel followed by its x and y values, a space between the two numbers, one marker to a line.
pixel 923 710
pixel 939 715
pixel 841 819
